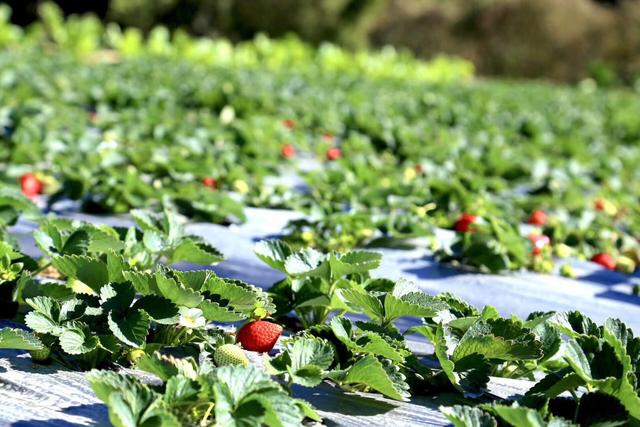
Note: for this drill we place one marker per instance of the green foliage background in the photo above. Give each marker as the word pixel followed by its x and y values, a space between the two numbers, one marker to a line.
pixel 558 39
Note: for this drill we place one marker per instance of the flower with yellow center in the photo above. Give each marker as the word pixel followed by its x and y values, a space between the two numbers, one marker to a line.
pixel 191 318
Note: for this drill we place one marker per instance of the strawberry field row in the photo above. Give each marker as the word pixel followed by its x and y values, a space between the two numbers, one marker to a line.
pixel 115 307
pixel 373 150
pixel 389 159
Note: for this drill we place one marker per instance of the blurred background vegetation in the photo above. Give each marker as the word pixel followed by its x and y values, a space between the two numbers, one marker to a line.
pixel 565 40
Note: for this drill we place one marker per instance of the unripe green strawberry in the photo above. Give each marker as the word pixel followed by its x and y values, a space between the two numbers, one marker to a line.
pixel 230 354
pixel 563 251
pixel 40 355
pixel 626 265
pixel 567 271
pixel 259 336
pixel 135 354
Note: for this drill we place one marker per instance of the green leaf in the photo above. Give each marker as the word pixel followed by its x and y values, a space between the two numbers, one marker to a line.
pixel 213 312
pixel 77 243
pixel 247 396
pixel 239 295
pixel 555 384
pixel 574 355
pixel 132 329
pixel 501 339
pixel 167 367
pixel 467 416
pixel 116 266
pixel 414 304
pixel 45 305
pixel 103 238
pixel 194 279
pixel 307 263
pixel 160 309
pixel 143 282
pixel 601 410
pixel 48 242
pixel 308 410
pixel 372 343
pixel 469 375
pixel 305 359
pixel 354 262
pixel 363 302
pixel 104 383
pixel 19 339
pixel 78 340
pixel 176 292
pixel 519 416
pixel 196 251
pixel 90 271
pixel 369 371
pixel 274 253
pixel 130 402
pixel 42 324
pixel 46 315
pixel 153 241
pixel 117 297
pixel 180 389
pixel 367 342
pixel 72 309
pixel 146 220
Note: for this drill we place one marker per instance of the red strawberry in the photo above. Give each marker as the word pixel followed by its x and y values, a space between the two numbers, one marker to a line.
pixel 418 168
pixel 210 182
pixel 328 137
pixel 539 242
pixel 333 153
pixel 462 224
pixel 31 186
pixel 288 123
pixel 604 260
pixel 288 151
pixel 259 336
pixel 599 204
pixel 538 217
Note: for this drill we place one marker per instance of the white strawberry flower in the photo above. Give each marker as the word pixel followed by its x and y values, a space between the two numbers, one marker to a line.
pixel 192 318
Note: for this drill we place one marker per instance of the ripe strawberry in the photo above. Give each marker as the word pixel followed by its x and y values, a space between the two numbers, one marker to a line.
pixel 259 336
pixel 333 153
pixel 289 124
pixel 31 186
pixel 539 242
pixel 538 217
pixel 606 206
pixel 210 182
pixel 462 224
pixel 288 151
pixel 230 354
pixel 418 168
pixel 604 260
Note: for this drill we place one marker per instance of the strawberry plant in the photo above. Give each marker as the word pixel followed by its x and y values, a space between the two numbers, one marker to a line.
pixel 313 278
